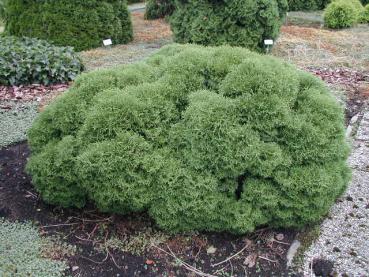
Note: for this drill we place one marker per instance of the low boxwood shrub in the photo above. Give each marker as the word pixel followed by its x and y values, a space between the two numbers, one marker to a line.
pixel 342 14
pixel 31 61
pixel 159 8
pixel 201 138
pixel 78 23
pixel 234 22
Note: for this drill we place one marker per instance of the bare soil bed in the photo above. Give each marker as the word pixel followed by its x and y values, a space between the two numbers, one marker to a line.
pixel 151 252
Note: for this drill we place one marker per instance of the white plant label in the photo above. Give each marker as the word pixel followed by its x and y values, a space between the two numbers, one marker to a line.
pixel 107 42
pixel 268 42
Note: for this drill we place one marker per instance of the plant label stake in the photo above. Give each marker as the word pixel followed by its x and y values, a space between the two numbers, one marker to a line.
pixel 107 42
pixel 268 43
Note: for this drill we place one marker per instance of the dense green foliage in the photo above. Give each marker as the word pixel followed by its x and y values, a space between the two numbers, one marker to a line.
pixel 21 252
pixel 365 15
pixel 202 138
pixel 159 8
pixel 343 14
pixel 307 5
pixel 311 5
pixel 235 22
pixel 78 23
pixel 2 11
pixel 30 61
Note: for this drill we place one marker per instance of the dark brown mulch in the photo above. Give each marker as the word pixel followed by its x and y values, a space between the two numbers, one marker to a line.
pixel 29 92
pixel 264 251
pixel 354 83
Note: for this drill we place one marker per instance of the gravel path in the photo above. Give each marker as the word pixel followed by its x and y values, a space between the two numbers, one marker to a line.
pixel 344 237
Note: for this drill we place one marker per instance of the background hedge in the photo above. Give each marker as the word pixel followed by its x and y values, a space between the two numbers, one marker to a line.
pixel 159 8
pixel 311 5
pixel 33 61
pixel 219 139
pixel 239 23
pixel 78 23
pixel 307 5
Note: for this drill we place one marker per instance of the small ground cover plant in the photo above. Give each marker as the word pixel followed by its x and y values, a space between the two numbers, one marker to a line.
pixel 237 23
pixel 28 61
pixel 201 138
pixel 15 121
pixel 78 23
pixel 21 252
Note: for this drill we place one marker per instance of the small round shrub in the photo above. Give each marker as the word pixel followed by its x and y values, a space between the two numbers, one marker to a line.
pixel 365 15
pixel 159 8
pixel 201 138
pixel 31 61
pixel 340 14
pixel 234 22
pixel 78 23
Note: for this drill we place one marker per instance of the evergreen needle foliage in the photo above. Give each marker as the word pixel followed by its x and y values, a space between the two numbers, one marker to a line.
pixel 343 14
pixel 78 23
pixel 202 138
pixel 307 5
pixel 245 23
pixel 159 8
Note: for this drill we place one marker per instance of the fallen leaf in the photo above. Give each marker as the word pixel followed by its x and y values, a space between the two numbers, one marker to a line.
pixel 150 262
pixel 250 260
pixel 279 237
pixel 211 250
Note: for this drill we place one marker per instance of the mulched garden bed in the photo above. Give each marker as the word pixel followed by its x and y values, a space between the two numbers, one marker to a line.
pixel 262 253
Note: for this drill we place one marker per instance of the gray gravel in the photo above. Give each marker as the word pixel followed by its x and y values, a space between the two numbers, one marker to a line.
pixel 344 237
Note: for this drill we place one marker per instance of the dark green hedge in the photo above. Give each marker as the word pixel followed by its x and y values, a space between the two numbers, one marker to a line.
pixel 33 61
pixel 311 5
pixel 307 5
pixel 159 8
pixel 235 22
pixel 219 139
pixel 78 23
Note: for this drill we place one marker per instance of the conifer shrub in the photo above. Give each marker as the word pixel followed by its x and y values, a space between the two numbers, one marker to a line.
pixel 201 138
pixel 78 23
pixel 159 8
pixel 365 15
pixel 238 23
pixel 307 5
pixel 342 14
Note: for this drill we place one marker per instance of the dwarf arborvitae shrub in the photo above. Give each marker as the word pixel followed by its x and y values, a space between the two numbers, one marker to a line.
pixel 307 5
pixel 28 61
pixel 365 16
pixel 342 14
pixel 201 138
pixel 78 23
pixel 234 22
pixel 159 8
